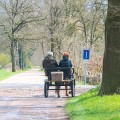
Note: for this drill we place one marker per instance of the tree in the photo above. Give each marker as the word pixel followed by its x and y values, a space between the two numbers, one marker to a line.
pixel 70 25
pixel 16 15
pixel 111 63
pixel 85 28
pixel 54 26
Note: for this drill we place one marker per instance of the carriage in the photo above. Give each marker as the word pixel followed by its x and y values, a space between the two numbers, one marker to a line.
pixel 55 77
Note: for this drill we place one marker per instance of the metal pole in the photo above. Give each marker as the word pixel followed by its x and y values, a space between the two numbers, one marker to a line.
pixel 85 64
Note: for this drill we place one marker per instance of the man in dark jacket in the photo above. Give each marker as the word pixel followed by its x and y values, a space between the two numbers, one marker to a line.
pixel 49 62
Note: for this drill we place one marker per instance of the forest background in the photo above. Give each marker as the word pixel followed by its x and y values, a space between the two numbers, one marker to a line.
pixel 31 28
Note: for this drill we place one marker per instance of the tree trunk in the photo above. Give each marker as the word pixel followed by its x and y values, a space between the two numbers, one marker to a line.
pixel 13 54
pixel 42 45
pixel 52 45
pixel 20 56
pixel 111 62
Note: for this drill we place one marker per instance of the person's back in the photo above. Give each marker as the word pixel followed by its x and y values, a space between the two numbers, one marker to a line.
pixel 66 62
pixel 49 62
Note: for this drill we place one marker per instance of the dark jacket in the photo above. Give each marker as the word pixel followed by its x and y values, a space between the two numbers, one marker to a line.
pixel 49 62
pixel 66 62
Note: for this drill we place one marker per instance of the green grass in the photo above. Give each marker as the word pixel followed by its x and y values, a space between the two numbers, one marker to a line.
pixel 90 106
pixel 6 74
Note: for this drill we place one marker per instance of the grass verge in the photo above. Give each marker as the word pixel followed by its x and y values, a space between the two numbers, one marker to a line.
pixel 6 74
pixel 90 106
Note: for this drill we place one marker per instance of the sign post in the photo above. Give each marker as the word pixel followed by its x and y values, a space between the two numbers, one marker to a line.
pixel 86 57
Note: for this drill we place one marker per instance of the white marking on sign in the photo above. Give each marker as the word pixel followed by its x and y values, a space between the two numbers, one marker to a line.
pixel 86 54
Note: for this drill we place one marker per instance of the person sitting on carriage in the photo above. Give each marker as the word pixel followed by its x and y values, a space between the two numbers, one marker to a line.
pixel 49 62
pixel 66 62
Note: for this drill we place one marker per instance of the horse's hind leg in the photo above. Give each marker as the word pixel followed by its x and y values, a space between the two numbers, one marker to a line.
pixel 57 90
pixel 66 90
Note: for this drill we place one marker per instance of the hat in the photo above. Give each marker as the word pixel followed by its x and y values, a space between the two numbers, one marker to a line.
pixel 49 53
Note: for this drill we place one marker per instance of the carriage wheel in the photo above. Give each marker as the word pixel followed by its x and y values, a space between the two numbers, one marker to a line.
pixel 72 88
pixel 46 89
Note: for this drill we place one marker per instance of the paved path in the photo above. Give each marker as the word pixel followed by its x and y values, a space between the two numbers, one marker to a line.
pixel 22 98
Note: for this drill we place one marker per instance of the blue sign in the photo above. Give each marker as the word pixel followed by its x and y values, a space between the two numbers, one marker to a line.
pixel 86 54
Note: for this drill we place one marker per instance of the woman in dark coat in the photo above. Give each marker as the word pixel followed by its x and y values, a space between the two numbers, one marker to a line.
pixel 66 62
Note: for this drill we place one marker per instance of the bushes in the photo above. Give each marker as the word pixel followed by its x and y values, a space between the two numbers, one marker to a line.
pixel 4 60
pixel 28 63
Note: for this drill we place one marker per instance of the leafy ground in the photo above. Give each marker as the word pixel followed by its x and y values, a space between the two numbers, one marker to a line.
pixel 90 106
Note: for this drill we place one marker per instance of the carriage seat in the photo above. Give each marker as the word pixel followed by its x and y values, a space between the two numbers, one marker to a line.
pixel 59 73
